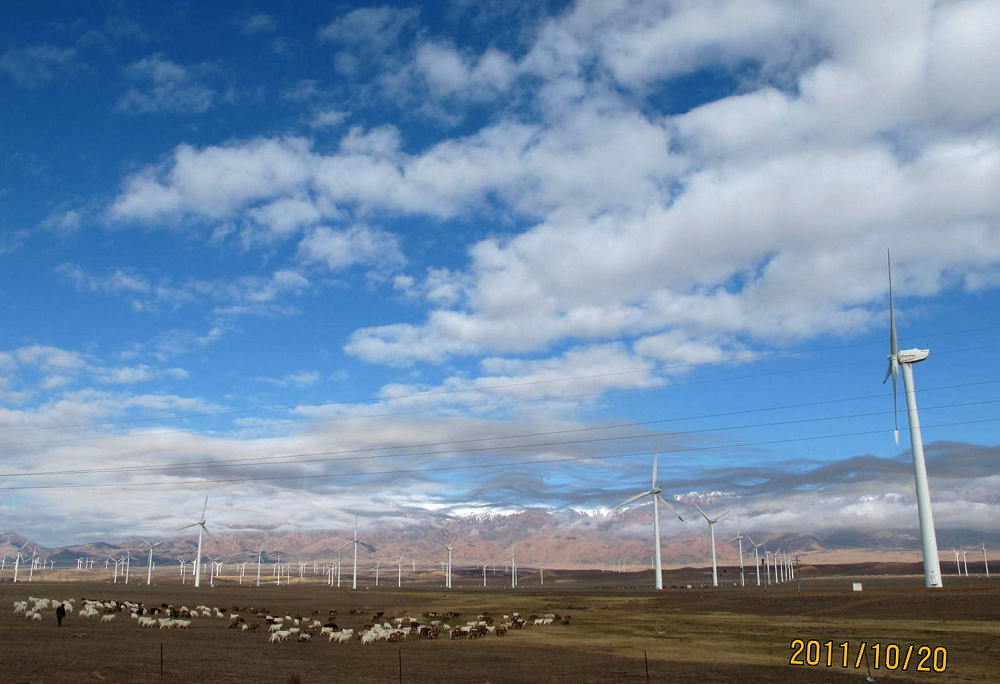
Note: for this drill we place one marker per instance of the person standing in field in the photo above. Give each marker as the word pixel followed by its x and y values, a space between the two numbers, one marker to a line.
pixel 60 613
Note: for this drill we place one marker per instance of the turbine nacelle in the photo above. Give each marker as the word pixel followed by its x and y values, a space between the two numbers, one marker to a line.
pixel 913 355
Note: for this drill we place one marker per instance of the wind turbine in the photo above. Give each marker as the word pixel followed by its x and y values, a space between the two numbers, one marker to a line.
pixel 128 562
pixel 904 360
pixel 17 557
pixel 965 562
pixel 739 538
pixel 756 561
pixel 356 541
pixel 654 493
pixel 399 571
pixel 450 546
pixel 201 529
pixel 149 563
pixel 513 568
pixel 259 552
pixel 711 535
pixel 986 564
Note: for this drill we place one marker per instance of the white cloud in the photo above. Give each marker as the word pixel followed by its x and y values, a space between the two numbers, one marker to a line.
pixel 338 249
pixel 34 65
pixel 214 181
pixel 374 28
pixel 448 73
pixel 166 87
pixel 328 118
pixel 259 22
pixel 300 379
pixel 63 222
pixel 762 215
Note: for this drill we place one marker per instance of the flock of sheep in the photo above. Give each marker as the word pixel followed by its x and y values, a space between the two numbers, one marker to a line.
pixel 281 628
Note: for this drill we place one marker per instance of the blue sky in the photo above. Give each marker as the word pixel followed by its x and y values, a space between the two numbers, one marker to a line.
pixel 329 259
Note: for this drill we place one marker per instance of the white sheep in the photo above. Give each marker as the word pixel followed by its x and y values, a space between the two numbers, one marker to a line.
pixel 343 636
pixel 280 635
pixel 108 617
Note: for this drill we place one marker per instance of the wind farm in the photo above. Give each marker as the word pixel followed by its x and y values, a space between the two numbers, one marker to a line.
pixel 502 338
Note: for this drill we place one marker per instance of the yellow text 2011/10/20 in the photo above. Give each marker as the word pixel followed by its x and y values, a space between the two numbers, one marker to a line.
pixel 877 656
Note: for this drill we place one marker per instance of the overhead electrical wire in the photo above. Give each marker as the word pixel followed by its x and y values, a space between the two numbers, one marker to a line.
pixel 365 453
pixel 527 383
pixel 569 459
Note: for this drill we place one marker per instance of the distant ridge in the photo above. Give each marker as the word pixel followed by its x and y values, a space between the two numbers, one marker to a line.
pixel 553 539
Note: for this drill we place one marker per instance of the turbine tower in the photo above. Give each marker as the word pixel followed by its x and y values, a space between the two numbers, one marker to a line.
pixel 904 360
pixel 356 541
pixel 654 493
pixel 449 547
pixel 711 535
pixel 149 563
pixel 986 564
pixel 260 552
pixel 201 530
pixel 756 561
pixel 739 538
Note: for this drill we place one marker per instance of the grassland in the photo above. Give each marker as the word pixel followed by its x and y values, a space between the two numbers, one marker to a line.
pixel 618 630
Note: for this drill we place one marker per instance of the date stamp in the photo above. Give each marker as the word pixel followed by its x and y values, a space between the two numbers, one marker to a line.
pixel 874 655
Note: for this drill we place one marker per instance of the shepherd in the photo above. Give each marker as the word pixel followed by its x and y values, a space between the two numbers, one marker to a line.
pixel 60 613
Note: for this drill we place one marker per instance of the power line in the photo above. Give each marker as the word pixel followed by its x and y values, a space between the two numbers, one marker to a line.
pixel 366 455
pixel 739 360
pixel 306 457
pixel 175 483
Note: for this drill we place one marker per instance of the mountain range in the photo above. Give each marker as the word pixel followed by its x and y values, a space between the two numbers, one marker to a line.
pixel 553 539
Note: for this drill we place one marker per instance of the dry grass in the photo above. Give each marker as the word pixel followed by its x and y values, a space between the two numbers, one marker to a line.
pixel 724 635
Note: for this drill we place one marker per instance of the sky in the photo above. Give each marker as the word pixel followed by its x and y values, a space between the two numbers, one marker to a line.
pixel 322 260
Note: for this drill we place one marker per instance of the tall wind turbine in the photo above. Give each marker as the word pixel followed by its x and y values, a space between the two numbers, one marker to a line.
pixel 654 493
pixel 450 547
pixel 711 535
pixel 260 551
pixel 904 360
pixel 128 562
pixel 149 563
pixel 201 529
pixel 739 538
pixel 756 561
pixel 986 564
pixel 356 541
pixel 17 557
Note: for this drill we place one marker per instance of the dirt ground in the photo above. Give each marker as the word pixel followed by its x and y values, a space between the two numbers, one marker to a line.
pixel 619 630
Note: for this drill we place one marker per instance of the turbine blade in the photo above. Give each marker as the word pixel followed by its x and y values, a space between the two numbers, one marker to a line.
pixel 204 508
pixel 893 354
pixel 893 342
pixel 670 507
pixel 368 547
pixel 655 458
pixel 634 498
pixel 700 511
